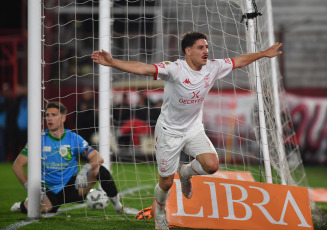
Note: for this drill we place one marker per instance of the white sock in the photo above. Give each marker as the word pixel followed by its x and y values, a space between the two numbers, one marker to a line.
pixel 161 198
pixel 116 202
pixel 193 168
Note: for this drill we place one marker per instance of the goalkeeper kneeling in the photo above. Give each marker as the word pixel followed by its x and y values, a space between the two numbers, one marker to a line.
pixel 62 183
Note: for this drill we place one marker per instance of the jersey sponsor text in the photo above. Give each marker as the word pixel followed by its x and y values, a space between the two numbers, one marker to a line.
pixel 191 101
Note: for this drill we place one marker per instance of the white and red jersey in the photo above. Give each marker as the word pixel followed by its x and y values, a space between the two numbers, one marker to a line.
pixel 185 90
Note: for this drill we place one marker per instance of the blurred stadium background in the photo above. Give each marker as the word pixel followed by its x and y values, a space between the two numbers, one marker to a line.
pixel 299 24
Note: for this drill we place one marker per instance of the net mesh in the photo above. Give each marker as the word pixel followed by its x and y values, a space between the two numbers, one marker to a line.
pixel 151 31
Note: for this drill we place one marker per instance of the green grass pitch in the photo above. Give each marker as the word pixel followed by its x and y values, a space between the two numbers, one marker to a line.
pixel 140 175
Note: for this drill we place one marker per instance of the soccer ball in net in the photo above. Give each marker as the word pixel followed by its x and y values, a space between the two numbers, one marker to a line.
pixel 97 199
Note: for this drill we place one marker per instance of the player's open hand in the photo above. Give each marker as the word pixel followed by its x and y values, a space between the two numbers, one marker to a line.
pixel 82 177
pixel 273 51
pixel 102 57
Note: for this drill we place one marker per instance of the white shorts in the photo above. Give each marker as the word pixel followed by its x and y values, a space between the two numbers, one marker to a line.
pixel 168 148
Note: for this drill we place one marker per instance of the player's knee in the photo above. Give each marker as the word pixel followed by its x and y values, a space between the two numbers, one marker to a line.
pixel 212 166
pixel 166 186
pixel 212 169
pixel 165 183
pixel 47 207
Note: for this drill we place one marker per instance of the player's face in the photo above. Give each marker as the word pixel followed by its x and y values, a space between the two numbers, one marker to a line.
pixel 54 119
pixel 199 52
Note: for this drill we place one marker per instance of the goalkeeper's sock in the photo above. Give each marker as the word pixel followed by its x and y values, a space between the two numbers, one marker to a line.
pixel 191 169
pixel 116 203
pixel 107 182
pixel 108 185
pixel 161 197
pixel 22 207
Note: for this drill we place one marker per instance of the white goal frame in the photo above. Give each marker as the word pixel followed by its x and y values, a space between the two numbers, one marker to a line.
pixel 34 107
pixel 34 95
pixel 104 83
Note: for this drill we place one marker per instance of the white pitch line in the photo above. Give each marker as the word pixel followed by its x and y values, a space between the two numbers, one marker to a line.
pixel 132 190
pixel 21 224
pixel 30 221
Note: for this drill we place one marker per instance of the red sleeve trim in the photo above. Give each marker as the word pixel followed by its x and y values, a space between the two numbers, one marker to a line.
pixel 233 63
pixel 155 77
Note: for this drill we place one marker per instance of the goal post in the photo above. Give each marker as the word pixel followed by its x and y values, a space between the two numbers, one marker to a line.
pixel 34 107
pixel 104 83
pixel 277 110
pixel 251 36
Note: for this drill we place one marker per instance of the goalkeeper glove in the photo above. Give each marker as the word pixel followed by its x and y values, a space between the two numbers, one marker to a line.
pixel 81 178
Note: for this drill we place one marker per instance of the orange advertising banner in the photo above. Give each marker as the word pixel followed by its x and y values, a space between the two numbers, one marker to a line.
pixel 233 175
pixel 318 194
pixel 235 204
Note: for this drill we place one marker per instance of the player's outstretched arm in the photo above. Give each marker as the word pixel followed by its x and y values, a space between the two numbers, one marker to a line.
pixel 244 60
pixel 18 168
pixel 139 68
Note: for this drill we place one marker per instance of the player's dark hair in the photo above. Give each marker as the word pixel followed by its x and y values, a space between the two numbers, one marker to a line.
pixel 58 105
pixel 190 38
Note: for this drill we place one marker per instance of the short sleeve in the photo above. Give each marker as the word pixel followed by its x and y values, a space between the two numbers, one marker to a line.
pixel 163 70
pixel 222 67
pixel 25 150
pixel 83 146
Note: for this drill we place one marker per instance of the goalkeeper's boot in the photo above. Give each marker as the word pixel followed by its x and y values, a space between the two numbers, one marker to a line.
pixel 119 208
pixel 186 183
pixel 161 220
pixel 127 211
pixel 15 207
pixel 144 214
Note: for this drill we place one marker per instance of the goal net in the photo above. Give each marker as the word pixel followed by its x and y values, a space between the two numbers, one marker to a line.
pixel 150 31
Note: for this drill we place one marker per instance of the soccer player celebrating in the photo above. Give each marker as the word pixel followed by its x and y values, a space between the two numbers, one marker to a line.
pixel 60 153
pixel 179 126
